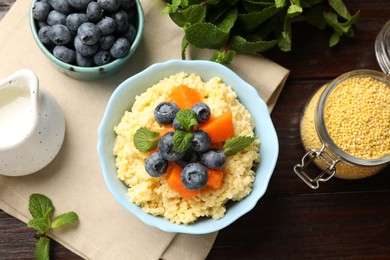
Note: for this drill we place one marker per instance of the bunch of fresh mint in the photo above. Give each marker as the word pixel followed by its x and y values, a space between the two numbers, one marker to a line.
pixel 253 26
pixel 42 209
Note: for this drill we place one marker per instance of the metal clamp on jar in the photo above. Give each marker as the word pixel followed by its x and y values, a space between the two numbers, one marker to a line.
pixel 345 127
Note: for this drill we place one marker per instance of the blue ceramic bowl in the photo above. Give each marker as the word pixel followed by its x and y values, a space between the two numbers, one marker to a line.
pixel 121 100
pixel 91 73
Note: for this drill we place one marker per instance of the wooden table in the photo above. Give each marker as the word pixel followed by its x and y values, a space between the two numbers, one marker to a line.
pixel 342 219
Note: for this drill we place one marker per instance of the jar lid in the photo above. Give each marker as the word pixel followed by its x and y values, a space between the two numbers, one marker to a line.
pixel 382 48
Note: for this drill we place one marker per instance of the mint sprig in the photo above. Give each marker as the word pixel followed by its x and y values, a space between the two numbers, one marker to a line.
pixel 248 26
pixel 41 209
pixel 236 144
pixel 187 119
pixel 182 141
pixel 146 140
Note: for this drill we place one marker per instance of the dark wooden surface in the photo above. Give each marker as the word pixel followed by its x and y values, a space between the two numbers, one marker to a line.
pixel 341 220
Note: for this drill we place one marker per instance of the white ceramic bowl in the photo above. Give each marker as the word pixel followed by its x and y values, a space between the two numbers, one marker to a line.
pixel 121 100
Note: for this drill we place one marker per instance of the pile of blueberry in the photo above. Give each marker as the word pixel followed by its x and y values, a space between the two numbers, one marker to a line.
pixel 195 159
pixel 86 33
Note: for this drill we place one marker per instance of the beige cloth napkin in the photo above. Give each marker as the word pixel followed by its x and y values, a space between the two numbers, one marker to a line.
pixel 73 180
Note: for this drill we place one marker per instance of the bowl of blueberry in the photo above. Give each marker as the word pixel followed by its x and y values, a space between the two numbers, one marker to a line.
pixel 149 112
pixel 87 39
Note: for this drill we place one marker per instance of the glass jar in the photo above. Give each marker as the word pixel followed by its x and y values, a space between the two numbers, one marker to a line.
pixel 345 128
pixel 382 48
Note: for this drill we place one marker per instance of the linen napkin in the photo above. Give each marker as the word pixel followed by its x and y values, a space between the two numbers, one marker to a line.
pixel 73 180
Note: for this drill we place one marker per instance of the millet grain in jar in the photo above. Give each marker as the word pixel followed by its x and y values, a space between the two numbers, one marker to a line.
pixel 357 119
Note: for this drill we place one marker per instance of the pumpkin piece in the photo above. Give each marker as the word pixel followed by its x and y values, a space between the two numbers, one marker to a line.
pixel 174 181
pixel 185 97
pixel 219 128
pixel 214 178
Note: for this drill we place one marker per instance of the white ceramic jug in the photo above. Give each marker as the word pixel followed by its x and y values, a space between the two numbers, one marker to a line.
pixel 32 125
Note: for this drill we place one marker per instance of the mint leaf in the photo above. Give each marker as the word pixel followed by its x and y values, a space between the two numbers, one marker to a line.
pixel 40 206
pixel 195 13
pixel 240 44
pixel 249 21
pixel 236 144
pixel 187 119
pixel 41 225
pixel 42 249
pixel 314 16
pixel 146 140
pixel 280 3
pixel 228 21
pixel 294 10
pixel 340 8
pixel 206 35
pixel 223 57
pixel 334 39
pixel 182 141
pixel 64 219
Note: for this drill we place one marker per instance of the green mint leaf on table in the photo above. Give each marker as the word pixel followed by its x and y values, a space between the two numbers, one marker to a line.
pixel 193 14
pixel 40 206
pixel 240 44
pixel 236 144
pixel 206 35
pixel 182 141
pixel 254 26
pixel 249 21
pixel 41 225
pixel 64 219
pixel 223 57
pixel 146 140
pixel 340 8
pixel 187 119
pixel 42 209
pixel 42 249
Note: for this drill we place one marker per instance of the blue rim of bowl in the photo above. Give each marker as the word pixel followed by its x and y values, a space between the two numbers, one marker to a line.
pixel 107 67
pixel 207 225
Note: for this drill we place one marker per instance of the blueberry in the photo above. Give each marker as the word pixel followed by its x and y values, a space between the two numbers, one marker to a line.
pixel 59 34
pixel 109 5
pixel 43 34
pixel 88 33
pixel 213 159
pixel 56 17
pixel 194 176
pixel 165 112
pixel 102 57
pixel 127 4
pixel 85 50
pixel 201 141
pixel 94 12
pixel 120 48
pixel 80 5
pixel 165 146
pixel 84 61
pixel 189 157
pixel 73 21
pixel 41 10
pixel 121 20
pixel 106 42
pixel 202 112
pixel 65 54
pixel 62 6
pixel 106 25
pixel 156 165
pixel 176 125
pixel 130 33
